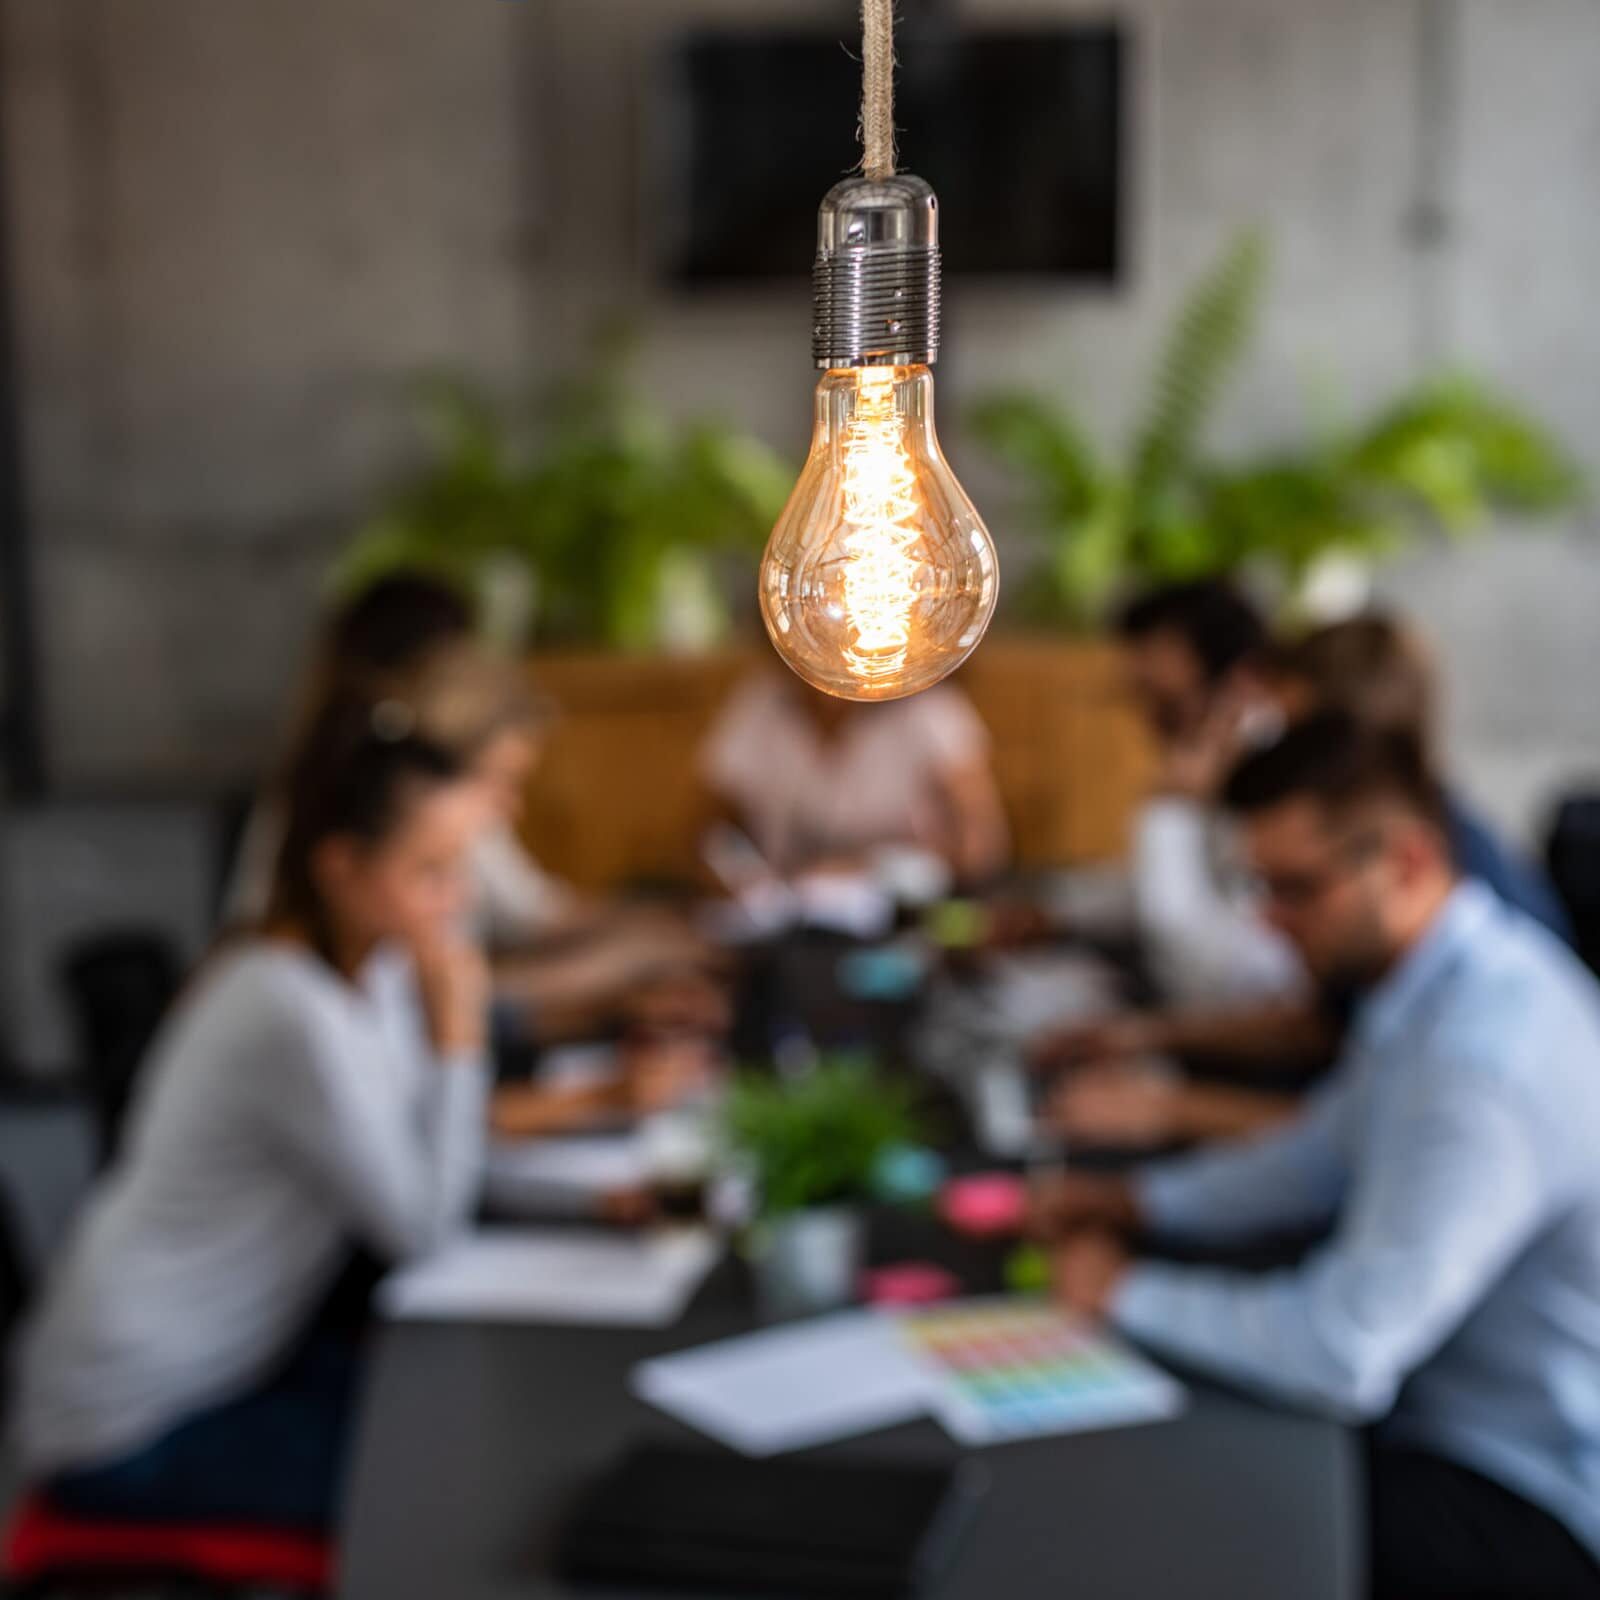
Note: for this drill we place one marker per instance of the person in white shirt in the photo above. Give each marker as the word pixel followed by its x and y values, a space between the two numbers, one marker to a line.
pixel 816 781
pixel 1193 653
pixel 319 1090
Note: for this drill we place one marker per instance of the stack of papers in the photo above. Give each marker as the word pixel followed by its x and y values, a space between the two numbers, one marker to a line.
pixel 560 1275
pixel 562 1176
pixel 791 1387
pixel 987 1370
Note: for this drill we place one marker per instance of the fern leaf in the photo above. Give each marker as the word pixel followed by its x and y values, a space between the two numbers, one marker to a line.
pixel 1212 330
pixel 1041 441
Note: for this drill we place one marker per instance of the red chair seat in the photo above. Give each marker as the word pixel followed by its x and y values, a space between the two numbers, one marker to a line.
pixel 44 1544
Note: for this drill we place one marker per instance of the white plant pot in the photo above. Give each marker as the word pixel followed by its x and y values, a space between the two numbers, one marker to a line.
pixel 809 1261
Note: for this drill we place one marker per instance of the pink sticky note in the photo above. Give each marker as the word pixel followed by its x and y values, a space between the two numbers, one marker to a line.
pixel 908 1283
pixel 986 1204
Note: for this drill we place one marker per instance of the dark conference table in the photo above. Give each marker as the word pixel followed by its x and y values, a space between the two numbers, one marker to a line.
pixel 474 1439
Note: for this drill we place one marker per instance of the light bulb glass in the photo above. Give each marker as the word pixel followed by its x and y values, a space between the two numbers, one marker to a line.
pixel 880 577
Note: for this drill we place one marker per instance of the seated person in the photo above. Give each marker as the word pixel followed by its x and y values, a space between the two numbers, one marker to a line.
pixel 815 781
pixel 318 1092
pixel 1455 1306
pixel 1377 670
pixel 1194 656
pixel 563 966
pixel 573 963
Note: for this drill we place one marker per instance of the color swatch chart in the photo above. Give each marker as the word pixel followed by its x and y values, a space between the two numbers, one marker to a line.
pixel 1016 1369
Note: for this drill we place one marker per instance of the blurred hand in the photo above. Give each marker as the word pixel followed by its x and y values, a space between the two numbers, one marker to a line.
pixel 1072 1200
pixel 1127 1104
pixel 834 864
pixel 670 937
pixel 660 1074
pixel 620 961
pixel 652 952
pixel 1195 763
pixel 1016 922
pixel 1087 1269
pixel 628 1208
pixel 680 1003
pixel 453 979
pixel 1105 1038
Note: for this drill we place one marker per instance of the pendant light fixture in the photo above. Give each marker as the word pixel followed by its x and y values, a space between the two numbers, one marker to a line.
pixel 879 578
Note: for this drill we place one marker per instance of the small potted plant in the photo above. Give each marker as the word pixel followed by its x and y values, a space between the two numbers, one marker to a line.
pixel 814 1148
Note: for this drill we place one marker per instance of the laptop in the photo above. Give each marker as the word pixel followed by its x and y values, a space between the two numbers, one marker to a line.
pixel 672 1519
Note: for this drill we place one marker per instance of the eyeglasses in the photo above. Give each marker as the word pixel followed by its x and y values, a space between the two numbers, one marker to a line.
pixel 1295 891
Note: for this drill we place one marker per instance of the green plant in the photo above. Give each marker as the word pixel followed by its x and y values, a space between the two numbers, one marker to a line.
pixel 614 514
pixel 1442 455
pixel 816 1139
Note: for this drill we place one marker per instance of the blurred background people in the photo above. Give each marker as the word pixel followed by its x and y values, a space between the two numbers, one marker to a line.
pixel 818 782
pixel 1456 1303
pixel 1378 670
pixel 564 965
pixel 319 1095
pixel 1194 661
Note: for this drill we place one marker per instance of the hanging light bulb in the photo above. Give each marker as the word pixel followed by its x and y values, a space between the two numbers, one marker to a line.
pixel 880 577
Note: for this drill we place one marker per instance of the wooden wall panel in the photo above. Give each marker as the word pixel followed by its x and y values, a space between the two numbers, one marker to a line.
pixel 617 798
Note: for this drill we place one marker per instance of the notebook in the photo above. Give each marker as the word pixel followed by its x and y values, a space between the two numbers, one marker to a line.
pixel 555 1275
pixel 697 1522
pixel 793 1386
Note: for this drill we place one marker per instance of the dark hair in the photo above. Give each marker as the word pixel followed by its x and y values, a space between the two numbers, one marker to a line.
pixel 1342 762
pixel 1215 619
pixel 1373 667
pixel 355 770
pixel 393 623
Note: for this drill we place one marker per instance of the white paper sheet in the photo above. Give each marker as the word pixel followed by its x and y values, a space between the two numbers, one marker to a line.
pixel 562 1275
pixel 812 1382
pixel 563 1176
pixel 579 1066
pixel 790 1387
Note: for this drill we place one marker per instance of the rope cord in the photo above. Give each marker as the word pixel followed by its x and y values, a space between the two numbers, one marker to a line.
pixel 877 88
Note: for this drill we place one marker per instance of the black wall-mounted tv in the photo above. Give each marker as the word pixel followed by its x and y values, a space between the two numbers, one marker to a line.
pixel 1018 131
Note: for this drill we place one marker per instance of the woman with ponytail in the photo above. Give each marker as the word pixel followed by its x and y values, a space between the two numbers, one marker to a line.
pixel 318 1094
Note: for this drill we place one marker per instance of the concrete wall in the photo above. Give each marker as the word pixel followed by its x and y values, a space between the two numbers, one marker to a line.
pixel 237 229
pixel 238 226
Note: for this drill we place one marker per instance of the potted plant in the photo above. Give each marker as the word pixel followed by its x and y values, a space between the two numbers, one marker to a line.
pixel 585 509
pixel 1442 455
pixel 813 1147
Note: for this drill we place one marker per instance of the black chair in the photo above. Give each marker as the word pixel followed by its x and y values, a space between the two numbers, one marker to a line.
pixel 14 1274
pixel 118 985
pixel 1572 853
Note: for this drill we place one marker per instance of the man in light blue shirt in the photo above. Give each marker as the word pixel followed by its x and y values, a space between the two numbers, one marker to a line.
pixel 1456 1154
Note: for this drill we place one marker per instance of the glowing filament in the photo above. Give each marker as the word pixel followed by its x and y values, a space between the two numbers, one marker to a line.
pixel 880 539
